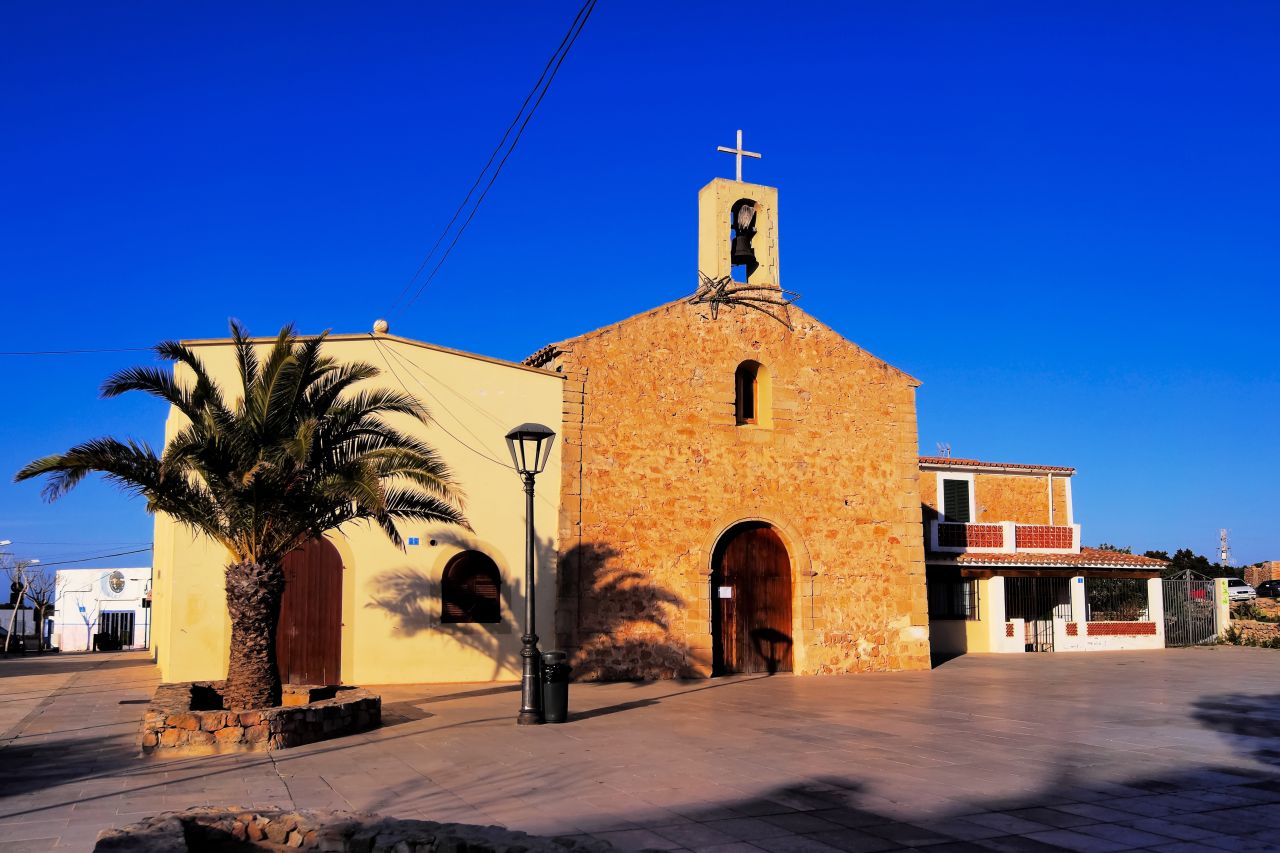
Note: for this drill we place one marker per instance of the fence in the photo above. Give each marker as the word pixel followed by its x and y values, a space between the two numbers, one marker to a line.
pixel 1116 600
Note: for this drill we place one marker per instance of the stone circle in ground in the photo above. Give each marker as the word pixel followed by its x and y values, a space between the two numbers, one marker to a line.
pixel 187 718
pixel 221 830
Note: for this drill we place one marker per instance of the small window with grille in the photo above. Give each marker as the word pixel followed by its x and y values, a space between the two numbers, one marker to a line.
pixel 470 589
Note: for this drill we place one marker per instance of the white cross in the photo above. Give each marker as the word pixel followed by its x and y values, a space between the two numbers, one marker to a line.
pixel 738 153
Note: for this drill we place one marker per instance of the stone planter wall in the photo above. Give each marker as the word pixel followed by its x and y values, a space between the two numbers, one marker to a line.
pixel 174 725
pixel 222 829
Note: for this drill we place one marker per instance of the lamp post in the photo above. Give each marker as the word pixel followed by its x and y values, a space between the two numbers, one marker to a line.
pixel 530 446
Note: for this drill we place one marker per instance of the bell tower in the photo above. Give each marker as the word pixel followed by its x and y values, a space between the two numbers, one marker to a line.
pixel 738 227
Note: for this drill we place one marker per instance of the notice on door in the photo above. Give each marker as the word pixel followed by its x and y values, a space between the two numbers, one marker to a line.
pixel 726 592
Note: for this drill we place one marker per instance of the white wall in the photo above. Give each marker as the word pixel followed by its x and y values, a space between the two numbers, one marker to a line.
pixel 84 594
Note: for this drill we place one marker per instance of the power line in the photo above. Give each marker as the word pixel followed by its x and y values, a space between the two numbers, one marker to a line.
pixel 492 156
pixel 566 44
pixel 90 559
pixel 434 421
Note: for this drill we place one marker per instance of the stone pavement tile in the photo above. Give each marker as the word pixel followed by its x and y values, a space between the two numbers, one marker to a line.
pixel 1051 817
pixel 637 839
pixel 962 829
pixel 851 817
pixel 1017 844
pixel 906 834
pixel 760 808
pixel 693 835
pixel 735 847
pixel 955 847
pixel 855 841
pixel 34 845
pixel 1009 824
pixel 1099 813
pixel 795 844
pixel 1127 835
pixel 801 822
pixel 1188 847
pixel 1171 829
pixel 1074 840
pixel 750 829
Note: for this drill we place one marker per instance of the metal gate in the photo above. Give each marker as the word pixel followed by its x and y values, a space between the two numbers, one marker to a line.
pixel 1038 601
pixel 1190 615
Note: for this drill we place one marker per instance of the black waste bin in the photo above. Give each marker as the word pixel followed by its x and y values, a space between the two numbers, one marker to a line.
pixel 555 687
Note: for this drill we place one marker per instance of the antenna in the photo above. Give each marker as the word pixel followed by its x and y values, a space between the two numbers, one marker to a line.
pixel 944 449
pixel 1224 549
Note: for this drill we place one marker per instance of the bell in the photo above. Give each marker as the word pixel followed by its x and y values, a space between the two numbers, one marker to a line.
pixel 742 252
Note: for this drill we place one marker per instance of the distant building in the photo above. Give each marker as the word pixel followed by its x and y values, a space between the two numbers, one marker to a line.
pixel 102 601
pixel 1006 572
pixel 1265 571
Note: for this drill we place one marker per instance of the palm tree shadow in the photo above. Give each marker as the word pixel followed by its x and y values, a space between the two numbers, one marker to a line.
pixel 616 623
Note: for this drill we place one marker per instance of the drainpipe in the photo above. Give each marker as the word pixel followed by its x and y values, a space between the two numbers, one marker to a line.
pixel 1051 499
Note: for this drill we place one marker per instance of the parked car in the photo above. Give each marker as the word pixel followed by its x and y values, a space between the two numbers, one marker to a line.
pixel 1238 590
pixel 1269 589
pixel 17 643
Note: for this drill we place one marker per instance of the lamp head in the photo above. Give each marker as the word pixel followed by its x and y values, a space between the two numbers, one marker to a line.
pixel 530 446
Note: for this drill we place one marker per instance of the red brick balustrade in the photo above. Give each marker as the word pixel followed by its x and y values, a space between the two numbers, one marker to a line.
pixel 1042 536
pixel 1121 629
pixel 952 535
pixel 1073 630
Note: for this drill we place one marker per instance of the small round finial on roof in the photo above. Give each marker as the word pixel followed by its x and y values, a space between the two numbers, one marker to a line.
pixel 380 327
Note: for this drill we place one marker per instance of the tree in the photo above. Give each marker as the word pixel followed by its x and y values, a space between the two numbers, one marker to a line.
pixel 1184 559
pixel 21 574
pixel 300 452
pixel 43 591
pixel 1107 546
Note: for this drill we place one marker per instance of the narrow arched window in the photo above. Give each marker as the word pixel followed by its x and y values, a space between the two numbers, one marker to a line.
pixel 469 589
pixel 747 392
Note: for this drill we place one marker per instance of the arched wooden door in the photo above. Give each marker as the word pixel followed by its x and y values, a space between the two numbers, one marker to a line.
pixel 309 635
pixel 751 592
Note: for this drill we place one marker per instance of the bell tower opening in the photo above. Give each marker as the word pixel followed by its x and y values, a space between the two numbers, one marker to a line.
pixel 742 228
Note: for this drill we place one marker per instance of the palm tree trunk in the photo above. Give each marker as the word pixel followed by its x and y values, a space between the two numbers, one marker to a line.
pixel 254 592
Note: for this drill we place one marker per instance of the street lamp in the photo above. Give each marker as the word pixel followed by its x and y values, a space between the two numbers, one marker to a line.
pixel 530 446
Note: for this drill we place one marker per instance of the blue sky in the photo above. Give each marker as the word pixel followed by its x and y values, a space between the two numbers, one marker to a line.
pixel 1061 217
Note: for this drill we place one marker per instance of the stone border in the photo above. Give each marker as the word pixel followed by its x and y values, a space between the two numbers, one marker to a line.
pixel 236 828
pixel 171 726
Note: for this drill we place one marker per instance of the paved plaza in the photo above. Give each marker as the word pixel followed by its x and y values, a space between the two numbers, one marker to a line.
pixel 1175 750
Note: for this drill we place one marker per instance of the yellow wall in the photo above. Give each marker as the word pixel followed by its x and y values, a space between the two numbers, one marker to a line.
pixel 391 609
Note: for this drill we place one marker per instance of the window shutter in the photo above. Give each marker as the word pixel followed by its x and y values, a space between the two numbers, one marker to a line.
pixel 955 499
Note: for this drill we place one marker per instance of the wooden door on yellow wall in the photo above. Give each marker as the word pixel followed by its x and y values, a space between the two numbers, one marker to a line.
pixel 309 633
pixel 751 594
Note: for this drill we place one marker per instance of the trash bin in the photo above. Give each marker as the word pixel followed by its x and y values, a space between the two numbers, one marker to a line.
pixel 555 687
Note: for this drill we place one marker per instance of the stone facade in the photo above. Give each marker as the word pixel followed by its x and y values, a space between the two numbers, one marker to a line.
pixel 656 469
pixel 1021 498
pixel 172 725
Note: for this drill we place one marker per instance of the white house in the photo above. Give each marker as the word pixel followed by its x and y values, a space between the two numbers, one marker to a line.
pixel 102 601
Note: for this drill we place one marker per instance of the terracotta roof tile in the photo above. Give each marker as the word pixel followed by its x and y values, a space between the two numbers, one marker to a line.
pixel 1088 558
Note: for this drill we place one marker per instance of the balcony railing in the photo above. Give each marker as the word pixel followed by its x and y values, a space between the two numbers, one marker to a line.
pixel 1003 537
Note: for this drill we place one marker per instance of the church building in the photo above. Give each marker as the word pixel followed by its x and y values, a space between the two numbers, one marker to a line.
pixel 734 489
pixel 739 484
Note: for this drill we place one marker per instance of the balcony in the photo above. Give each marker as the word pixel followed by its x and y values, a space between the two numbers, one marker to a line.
pixel 1003 537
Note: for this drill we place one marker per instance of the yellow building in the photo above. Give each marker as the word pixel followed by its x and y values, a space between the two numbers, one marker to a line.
pixel 360 610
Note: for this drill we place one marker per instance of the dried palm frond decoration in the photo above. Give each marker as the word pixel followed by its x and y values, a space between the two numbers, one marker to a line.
pixel 767 299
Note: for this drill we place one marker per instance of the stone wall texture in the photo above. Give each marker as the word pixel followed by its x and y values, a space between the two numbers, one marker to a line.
pixel 171 727
pixel 656 469
pixel 1020 498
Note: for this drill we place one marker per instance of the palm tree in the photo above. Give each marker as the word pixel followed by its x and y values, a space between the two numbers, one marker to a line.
pixel 300 452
